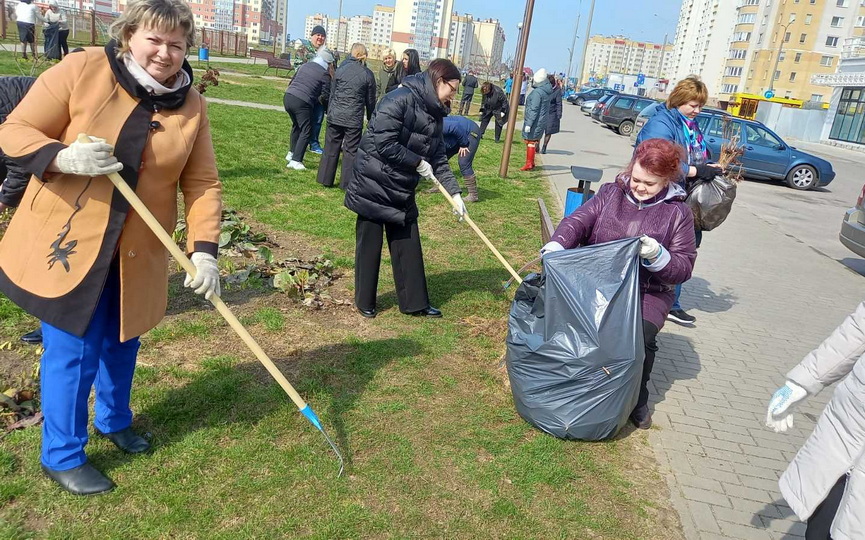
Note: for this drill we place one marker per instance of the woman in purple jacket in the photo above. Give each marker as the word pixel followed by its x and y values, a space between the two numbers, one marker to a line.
pixel 645 201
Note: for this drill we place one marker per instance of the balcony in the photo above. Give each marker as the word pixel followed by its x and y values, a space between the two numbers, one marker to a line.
pixel 853 48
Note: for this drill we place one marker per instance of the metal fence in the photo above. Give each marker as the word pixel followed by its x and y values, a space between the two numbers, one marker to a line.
pixel 89 27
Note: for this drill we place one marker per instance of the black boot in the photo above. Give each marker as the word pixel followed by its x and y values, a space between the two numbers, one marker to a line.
pixel 33 338
pixel 82 480
pixel 128 441
pixel 544 149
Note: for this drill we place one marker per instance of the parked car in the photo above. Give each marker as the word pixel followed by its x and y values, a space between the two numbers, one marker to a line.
pixel 853 227
pixel 622 110
pixel 594 93
pixel 587 106
pixel 600 105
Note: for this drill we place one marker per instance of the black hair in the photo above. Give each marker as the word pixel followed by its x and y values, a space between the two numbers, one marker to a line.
pixel 442 69
pixel 413 64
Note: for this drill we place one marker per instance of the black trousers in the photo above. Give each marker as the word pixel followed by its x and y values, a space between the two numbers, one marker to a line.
pixel 650 337
pixel 466 103
pixel 338 139
pixel 820 522
pixel 406 257
pixel 500 122
pixel 300 112
pixel 64 46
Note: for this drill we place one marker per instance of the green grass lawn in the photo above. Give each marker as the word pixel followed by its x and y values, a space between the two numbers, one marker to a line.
pixel 420 408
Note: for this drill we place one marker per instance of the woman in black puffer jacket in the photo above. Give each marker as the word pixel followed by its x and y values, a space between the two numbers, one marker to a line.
pixel 403 142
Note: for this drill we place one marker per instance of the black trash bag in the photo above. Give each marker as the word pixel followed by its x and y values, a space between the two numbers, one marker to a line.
pixel 575 341
pixel 711 201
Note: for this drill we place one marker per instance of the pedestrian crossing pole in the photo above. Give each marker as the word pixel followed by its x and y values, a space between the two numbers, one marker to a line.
pixel 519 62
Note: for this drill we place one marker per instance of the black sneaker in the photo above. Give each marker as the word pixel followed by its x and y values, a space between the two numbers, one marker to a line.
pixel 681 316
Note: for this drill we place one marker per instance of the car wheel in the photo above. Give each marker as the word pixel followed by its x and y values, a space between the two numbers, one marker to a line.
pixel 802 177
pixel 625 128
pixel 579 101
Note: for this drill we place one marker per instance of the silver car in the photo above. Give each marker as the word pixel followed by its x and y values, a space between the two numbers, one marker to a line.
pixel 587 106
pixel 853 227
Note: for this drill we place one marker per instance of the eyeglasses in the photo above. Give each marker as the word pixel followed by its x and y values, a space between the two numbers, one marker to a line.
pixel 452 87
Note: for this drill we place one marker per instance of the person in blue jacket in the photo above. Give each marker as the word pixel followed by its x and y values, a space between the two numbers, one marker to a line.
pixel 462 137
pixel 677 122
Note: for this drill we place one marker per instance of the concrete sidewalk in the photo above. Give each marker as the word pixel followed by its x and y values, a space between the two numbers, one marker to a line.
pixel 763 299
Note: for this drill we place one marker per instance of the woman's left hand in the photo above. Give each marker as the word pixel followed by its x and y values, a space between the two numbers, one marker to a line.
pixel 464 151
pixel 206 280
pixel 459 206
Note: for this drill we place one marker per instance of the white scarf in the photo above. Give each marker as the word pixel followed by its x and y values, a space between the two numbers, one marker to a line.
pixel 149 83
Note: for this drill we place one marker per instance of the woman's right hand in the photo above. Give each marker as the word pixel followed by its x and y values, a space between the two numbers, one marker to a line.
pixel 88 159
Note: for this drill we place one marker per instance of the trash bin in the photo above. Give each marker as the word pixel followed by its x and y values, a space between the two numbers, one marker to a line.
pixel 203 54
pixel 580 195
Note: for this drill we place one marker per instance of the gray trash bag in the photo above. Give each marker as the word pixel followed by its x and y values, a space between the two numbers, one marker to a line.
pixel 711 201
pixel 575 341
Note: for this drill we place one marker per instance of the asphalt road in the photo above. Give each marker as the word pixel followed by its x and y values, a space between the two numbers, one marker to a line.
pixel 811 217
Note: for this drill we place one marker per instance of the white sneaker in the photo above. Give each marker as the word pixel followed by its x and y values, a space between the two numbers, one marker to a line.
pixel 296 165
pixel 288 156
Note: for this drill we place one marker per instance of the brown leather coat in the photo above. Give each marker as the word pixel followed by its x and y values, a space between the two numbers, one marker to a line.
pixel 57 251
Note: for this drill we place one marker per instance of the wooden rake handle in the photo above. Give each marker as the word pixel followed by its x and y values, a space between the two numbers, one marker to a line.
pixel 187 265
pixel 480 233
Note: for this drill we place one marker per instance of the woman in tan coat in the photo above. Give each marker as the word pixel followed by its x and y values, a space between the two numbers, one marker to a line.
pixel 75 255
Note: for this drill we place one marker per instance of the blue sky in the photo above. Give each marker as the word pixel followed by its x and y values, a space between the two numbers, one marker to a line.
pixel 552 23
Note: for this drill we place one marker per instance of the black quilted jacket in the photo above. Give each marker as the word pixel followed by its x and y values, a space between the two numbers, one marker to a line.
pixel 406 128
pixel 353 90
pixel 15 178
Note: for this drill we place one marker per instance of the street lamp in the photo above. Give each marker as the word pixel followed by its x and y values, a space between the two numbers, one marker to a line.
pixel 777 60
pixel 519 37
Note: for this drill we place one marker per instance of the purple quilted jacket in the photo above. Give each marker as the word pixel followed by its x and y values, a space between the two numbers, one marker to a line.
pixel 614 214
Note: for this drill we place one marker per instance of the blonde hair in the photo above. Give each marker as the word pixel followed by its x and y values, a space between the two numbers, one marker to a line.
pixel 164 15
pixel 388 52
pixel 687 90
pixel 358 50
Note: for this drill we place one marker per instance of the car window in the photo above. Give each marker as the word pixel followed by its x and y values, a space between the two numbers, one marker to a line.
pixel 650 110
pixel 606 98
pixel 623 103
pixel 703 122
pixel 715 126
pixel 642 105
pixel 759 136
pixel 595 93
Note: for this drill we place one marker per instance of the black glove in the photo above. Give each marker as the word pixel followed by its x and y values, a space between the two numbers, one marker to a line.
pixel 707 172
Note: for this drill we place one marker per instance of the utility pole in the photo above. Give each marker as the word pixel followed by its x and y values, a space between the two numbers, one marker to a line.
pixel 778 58
pixel 574 42
pixel 518 81
pixel 586 44
pixel 284 26
pixel 339 24
pixel 663 54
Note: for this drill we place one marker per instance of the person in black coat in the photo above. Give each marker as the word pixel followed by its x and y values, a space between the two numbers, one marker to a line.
pixel 403 142
pixel 469 85
pixel 303 92
pixel 353 91
pixel 554 117
pixel 410 65
pixel 15 178
pixel 494 105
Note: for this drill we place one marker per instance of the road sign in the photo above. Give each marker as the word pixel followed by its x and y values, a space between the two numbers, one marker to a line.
pixel 636 85
pixel 619 87
pixel 641 79
pixel 769 94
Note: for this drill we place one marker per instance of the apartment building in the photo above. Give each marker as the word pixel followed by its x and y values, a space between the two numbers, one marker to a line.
pixel 319 19
pixel 781 46
pixel 703 38
pixel 423 25
pixel 382 27
pixel 359 30
pixel 256 18
pixel 461 39
pixel 486 54
pixel 618 54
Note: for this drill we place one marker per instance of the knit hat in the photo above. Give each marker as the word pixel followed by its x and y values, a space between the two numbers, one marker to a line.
pixel 539 76
pixel 325 55
pixel 319 29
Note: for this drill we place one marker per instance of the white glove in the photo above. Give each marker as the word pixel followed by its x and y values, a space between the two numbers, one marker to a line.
pixel 527 127
pixel 425 170
pixel 460 208
pixel 649 248
pixel 503 114
pixel 206 280
pixel 88 159
pixel 551 247
pixel 782 401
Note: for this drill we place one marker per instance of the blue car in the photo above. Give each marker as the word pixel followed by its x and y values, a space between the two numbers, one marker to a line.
pixel 766 155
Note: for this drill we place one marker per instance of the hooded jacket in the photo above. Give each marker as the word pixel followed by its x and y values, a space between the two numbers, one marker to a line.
pixel 405 128
pixel 352 91
pixel 667 124
pixel 614 214
pixel 837 445
pixel 537 108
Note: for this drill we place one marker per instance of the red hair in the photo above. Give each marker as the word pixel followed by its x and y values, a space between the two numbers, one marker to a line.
pixel 659 157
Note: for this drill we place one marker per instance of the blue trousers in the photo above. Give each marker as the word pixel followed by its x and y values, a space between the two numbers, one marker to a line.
pixel 317 120
pixel 71 365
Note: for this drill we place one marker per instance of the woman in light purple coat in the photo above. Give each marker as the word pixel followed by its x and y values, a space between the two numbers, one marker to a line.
pixel 644 201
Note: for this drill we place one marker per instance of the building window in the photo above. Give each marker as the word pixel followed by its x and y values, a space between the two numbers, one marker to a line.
pixel 816 97
pixel 837 22
pixel 792 76
pixel 782 56
pixel 826 61
pixel 841 3
pixel 798 57
pixel 729 88
pixel 802 38
pixel 808 18
pixel 832 41
pixel 860 20
pixel 777 74
pixel 849 122
pixel 786 37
